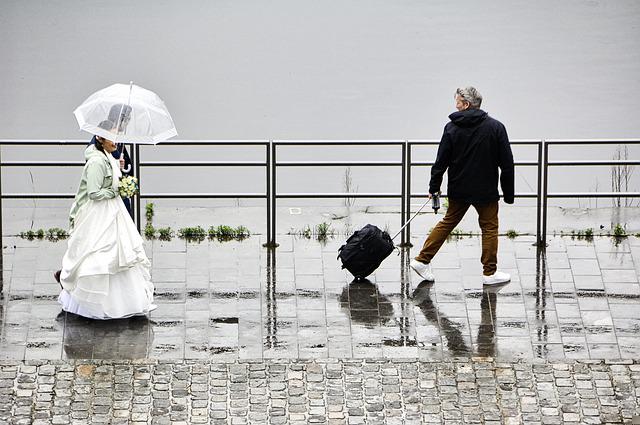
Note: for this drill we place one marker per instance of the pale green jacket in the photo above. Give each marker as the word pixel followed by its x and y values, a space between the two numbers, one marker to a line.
pixel 96 181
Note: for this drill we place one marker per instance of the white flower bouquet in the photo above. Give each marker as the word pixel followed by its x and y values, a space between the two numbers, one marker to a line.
pixel 128 186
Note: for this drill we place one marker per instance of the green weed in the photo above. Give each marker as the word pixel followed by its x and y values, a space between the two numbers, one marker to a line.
pixel 53 234
pixel 619 231
pixel 149 212
pixel 323 230
pixel 149 231
pixel 165 233
pixel 222 232
pixel 192 234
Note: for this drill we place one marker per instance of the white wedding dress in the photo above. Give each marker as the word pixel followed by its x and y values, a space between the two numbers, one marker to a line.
pixel 105 271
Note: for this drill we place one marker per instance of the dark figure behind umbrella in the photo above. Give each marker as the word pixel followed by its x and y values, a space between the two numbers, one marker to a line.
pixel 120 115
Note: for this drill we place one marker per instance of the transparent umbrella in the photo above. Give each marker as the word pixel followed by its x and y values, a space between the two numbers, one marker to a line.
pixel 126 113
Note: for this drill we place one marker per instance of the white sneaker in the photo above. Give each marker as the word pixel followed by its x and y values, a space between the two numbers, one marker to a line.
pixel 497 278
pixel 423 270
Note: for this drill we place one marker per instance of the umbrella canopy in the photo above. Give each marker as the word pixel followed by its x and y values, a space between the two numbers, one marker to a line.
pixel 126 113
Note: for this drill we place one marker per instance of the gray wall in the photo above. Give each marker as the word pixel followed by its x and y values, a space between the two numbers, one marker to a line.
pixel 326 69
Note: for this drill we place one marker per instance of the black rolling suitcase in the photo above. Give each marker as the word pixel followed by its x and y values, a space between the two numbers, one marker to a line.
pixel 365 250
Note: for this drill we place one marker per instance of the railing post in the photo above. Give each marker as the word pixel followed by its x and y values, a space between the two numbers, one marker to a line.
pixel 271 195
pixel 274 193
pixel 136 165
pixel 403 194
pixel 268 190
pixel 406 194
pixel 545 191
pixel 1 239
pixel 539 240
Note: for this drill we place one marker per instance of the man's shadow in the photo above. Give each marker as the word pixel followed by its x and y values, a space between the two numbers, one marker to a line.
pixel 455 341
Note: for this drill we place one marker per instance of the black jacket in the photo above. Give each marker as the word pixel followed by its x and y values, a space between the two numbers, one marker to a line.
pixel 472 148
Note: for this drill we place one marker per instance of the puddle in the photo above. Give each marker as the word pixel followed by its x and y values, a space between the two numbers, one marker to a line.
pixel 227 320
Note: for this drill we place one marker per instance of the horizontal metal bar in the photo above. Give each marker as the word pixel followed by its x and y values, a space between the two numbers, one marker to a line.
pixel 444 195
pixel 337 163
pixel 259 163
pixel 257 142
pixel 336 142
pixel 593 195
pixel 338 195
pixel 202 195
pixel 145 195
pixel 591 141
pixel 430 163
pixel 24 142
pixel 38 195
pixel 42 164
pixel 203 164
pixel 521 142
pixel 231 164
pixel 595 162
pixel 316 195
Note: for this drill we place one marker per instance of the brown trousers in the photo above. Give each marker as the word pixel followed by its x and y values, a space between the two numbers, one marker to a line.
pixel 488 220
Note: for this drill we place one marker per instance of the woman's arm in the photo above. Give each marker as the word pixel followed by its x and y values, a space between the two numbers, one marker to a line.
pixel 96 172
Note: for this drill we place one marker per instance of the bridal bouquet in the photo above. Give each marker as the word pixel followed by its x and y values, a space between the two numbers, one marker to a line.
pixel 128 186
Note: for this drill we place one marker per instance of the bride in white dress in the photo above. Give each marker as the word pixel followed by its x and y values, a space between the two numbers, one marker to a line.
pixel 105 271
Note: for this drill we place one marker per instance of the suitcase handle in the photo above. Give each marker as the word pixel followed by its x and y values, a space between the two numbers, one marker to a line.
pixel 414 216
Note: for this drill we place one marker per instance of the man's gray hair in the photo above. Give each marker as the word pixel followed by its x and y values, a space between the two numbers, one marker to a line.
pixel 471 95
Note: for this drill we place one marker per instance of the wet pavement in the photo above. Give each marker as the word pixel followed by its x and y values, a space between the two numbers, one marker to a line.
pixel 247 335
pixel 226 301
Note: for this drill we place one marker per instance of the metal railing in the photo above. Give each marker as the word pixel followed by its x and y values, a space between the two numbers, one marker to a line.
pixel 139 164
pixel 524 142
pixel 405 163
pixel 398 163
pixel 545 195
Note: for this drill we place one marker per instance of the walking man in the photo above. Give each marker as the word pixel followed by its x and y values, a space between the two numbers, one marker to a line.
pixel 473 147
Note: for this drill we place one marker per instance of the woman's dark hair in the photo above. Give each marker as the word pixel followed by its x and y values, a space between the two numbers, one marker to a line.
pixel 105 125
pixel 99 144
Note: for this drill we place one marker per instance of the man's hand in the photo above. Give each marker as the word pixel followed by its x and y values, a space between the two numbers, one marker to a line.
pixel 121 160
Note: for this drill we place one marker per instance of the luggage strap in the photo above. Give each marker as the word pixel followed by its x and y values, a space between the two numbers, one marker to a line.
pixel 414 216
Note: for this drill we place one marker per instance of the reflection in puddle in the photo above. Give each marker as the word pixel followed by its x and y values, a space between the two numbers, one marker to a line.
pixel 361 300
pixel 453 338
pixel 109 339
pixel 213 350
pixel 216 320
pixel 167 323
pixel 224 295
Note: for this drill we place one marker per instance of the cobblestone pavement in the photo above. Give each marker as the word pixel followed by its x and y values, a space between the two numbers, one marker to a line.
pixel 323 392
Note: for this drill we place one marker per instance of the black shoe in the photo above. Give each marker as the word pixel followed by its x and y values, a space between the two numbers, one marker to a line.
pixel 56 276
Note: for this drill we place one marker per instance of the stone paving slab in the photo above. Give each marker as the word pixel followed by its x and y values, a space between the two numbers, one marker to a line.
pixel 238 301
pixel 462 391
pixel 247 335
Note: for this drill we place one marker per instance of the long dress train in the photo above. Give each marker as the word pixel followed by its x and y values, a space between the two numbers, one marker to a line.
pixel 105 271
